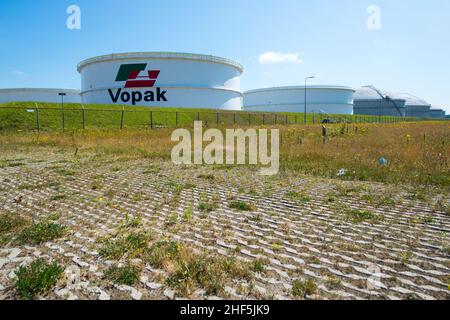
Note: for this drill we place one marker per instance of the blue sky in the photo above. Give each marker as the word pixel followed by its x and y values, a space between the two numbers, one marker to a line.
pixel 327 38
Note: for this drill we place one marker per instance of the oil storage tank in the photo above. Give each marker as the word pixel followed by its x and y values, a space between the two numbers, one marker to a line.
pixel 162 79
pixel 371 101
pixel 319 99
pixel 415 107
pixel 437 114
pixel 39 95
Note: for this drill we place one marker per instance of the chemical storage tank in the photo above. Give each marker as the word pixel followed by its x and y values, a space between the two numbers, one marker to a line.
pixel 39 95
pixel 415 107
pixel 437 114
pixel 375 102
pixel 162 79
pixel 319 99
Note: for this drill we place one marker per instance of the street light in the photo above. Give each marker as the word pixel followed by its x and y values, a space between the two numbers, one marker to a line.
pixel 306 79
pixel 62 94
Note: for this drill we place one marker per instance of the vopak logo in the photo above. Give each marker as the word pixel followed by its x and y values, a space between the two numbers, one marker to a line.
pixel 136 76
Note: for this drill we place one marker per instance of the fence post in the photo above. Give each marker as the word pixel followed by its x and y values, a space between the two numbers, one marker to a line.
pixel 276 118
pixel 176 119
pixel 38 121
pixel 234 118
pixel 151 119
pixel 198 116
pixel 121 118
pixel 63 124
pixel 83 116
pixel 249 119
pixel 264 119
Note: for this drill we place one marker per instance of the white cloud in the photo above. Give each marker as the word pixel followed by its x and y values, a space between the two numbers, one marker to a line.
pixel 279 57
pixel 18 73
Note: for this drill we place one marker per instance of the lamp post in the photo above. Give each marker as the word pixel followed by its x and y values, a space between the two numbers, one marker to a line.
pixel 306 79
pixel 62 94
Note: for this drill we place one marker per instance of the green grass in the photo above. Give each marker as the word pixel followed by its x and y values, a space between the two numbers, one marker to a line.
pixel 359 216
pixel 242 206
pixel 132 244
pixel 37 278
pixel 15 116
pixel 127 275
pixel 303 288
pixel 40 232
pixel 188 270
pixel 10 222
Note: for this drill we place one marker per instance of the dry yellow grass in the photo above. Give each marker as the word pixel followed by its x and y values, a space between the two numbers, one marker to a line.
pixel 416 152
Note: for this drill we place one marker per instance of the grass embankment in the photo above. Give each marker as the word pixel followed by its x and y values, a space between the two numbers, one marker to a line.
pixel 416 153
pixel 23 116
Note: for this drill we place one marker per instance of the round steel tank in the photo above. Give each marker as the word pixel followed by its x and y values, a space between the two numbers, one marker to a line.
pixel 162 79
pixel 319 99
pixel 39 95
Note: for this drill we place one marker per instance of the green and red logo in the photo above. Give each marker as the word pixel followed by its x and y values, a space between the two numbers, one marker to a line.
pixel 136 75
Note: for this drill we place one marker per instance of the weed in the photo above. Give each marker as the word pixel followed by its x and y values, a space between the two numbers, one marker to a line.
pixel 36 279
pixel 58 197
pixel 132 244
pixel 188 213
pixel 259 265
pixel 359 216
pixel 206 177
pixel 298 196
pixel 127 275
pixel 10 223
pixel 242 206
pixel 40 232
pixel 96 185
pixel 405 256
pixel 303 288
pixel 188 270
pixel 206 206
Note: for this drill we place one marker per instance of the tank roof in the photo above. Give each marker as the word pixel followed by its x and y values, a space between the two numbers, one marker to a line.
pixel 160 55
pixel 318 87
pixel 56 90
pixel 369 94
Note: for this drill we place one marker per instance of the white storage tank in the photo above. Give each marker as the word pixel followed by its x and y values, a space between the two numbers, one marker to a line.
pixel 162 79
pixel 319 99
pixel 39 95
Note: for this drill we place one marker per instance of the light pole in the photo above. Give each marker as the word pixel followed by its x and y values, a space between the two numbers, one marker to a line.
pixel 62 94
pixel 306 79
